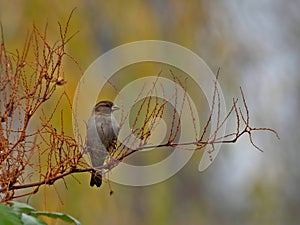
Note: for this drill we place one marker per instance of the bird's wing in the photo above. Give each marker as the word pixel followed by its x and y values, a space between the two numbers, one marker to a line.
pixel 116 128
pixel 95 145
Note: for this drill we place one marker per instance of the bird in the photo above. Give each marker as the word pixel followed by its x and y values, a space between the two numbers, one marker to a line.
pixel 102 131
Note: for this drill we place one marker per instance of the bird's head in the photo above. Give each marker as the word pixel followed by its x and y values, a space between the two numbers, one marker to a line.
pixel 105 107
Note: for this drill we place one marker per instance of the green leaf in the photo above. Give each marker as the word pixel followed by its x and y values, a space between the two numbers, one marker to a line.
pixel 23 214
pixel 8 216
pixel 31 220
pixel 57 215
pixel 21 207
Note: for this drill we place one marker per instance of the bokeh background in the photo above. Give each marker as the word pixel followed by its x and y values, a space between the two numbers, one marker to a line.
pixel 257 45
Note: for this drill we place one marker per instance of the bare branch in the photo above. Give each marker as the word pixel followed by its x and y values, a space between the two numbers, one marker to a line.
pixel 41 156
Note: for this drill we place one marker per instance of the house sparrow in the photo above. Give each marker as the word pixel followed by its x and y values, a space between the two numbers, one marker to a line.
pixel 102 130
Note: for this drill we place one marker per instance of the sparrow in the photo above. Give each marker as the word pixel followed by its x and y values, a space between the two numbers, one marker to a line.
pixel 102 131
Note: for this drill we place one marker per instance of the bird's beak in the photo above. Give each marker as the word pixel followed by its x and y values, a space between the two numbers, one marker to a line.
pixel 115 107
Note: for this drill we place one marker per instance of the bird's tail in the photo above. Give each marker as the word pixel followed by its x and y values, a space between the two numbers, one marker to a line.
pixel 96 179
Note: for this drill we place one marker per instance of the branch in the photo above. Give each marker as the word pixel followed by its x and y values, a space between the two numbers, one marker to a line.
pixel 26 85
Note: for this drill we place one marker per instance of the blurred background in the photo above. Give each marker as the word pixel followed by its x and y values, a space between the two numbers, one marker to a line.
pixel 256 43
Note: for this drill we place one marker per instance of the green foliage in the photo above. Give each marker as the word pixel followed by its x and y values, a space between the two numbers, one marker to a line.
pixel 8 216
pixel 22 214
